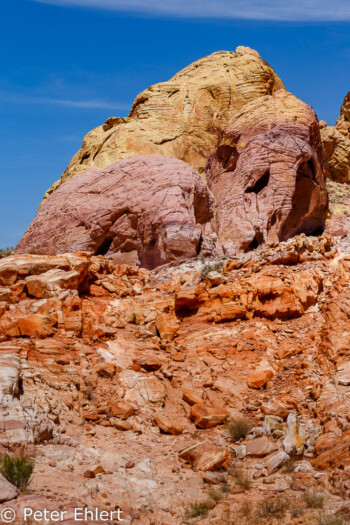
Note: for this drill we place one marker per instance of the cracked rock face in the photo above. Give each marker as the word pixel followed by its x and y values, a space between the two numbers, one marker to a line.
pixel 336 143
pixel 150 209
pixel 182 117
pixel 267 174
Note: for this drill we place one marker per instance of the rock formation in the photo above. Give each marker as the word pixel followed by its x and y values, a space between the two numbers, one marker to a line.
pixel 125 382
pixel 182 117
pixel 151 209
pixel 336 142
pixel 267 174
pixel 216 388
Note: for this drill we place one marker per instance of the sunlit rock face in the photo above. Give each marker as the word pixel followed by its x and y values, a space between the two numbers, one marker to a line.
pixel 148 209
pixel 182 117
pixel 268 174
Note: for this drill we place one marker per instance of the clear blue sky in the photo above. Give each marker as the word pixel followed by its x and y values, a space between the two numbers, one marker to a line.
pixel 67 65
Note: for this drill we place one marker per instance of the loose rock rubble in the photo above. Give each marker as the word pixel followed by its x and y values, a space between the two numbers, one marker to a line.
pixel 137 377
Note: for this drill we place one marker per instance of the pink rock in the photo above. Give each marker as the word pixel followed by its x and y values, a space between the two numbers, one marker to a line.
pixel 268 174
pixel 149 209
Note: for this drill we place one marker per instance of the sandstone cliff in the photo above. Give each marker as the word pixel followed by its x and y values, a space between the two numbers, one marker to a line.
pixel 267 174
pixel 149 210
pixel 182 117
pixel 336 141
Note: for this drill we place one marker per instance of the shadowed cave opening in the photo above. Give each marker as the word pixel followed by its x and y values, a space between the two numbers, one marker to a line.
pixel 253 245
pixel 299 219
pixel 103 248
pixel 260 184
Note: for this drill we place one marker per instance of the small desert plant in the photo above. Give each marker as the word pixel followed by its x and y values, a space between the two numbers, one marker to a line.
pixel 211 267
pixel 246 510
pixel 296 512
pixel 241 479
pixel 197 509
pixel 17 471
pixel 5 252
pixel 272 507
pixel 330 519
pixel 134 318
pixel 239 428
pixel 215 494
pixel 313 500
pixel 289 465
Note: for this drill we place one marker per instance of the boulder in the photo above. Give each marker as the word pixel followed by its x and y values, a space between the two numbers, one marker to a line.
pixel 267 174
pixel 260 447
pixel 332 452
pixel 51 283
pixel 259 378
pixel 180 118
pixel 7 490
pixel 206 416
pixel 293 443
pixel 148 209
pixel 167 425
pixel 191 397
pixel 122 409
pixel 337 149
pixel 276 461
pixel 205 456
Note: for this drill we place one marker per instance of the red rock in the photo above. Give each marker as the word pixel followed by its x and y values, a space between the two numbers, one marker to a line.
pixel 148 208
pixel 107 370
pixel 205 456
pixel 332 451
pixel 122 409
pixel 120 424
pixel 148 362
pixel 167 425
pixel 51 283
pixel 205 416
pixel 259 378
pixel 191 398
pixel 268 174
pixel 89 474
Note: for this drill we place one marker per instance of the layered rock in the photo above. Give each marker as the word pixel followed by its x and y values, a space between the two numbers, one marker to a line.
pixel 337 149
pixel 180 118
pixel 151 209
pixel 105 397
pixel 336 142
pixel 268 174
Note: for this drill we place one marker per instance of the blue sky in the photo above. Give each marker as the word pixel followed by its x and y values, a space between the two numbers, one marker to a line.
pixel 67 65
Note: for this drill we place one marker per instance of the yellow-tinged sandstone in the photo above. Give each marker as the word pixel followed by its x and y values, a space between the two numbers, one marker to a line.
pixel 180 118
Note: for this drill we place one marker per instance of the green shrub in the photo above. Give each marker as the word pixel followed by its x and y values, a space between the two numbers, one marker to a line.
pixel 17 471
pixel 313 500
pixel 197 509
pixel 211 267
pixel 272 507
pixel 5 252
pixel 241 479
pixel 239 428
pixel 215 494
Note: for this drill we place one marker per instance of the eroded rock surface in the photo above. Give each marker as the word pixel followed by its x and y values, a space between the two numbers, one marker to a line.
pixel 268 175
pixel 121 380
pixel 151 209
pixel 180 118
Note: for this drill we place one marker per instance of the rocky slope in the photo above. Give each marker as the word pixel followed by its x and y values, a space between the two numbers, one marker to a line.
pixel 127 376
pixel 211 381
